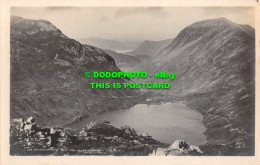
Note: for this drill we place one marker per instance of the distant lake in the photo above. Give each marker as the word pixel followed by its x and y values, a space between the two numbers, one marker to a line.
pixel 123 51
pixel 166 122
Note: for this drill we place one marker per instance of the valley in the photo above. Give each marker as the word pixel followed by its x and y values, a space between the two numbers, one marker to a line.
pixel 210 102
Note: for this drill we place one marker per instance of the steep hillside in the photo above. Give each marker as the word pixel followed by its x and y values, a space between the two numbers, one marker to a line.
pixel 214 64
pixel 142 57
pixel 122 60
pixel 150 48
pixel 47 75
pixel 110 44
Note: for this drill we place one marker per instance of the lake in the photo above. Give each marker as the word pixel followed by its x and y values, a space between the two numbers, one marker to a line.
pixel 123 51
pixel 166 122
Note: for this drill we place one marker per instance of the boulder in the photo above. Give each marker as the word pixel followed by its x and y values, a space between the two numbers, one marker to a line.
pixel 49 141
pixel 62 133
pixel 20 120
pixel 159 152
pixel 145 134
pixel 52 131
pixel 83 133
pixel 178 148
pixel 137 142
pixel 180 145
pixel 129 130
pixel 196 149
pixel 29 124
pixel 30 120
pixel 18 123
pixel 30 127
pixel 22 126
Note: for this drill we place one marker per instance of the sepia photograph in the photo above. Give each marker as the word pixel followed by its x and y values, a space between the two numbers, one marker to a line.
pixel 130 82
pixel 209 109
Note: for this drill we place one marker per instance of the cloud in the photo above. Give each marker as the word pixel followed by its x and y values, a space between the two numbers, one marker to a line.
pixel 57 9
pixel 143 23
pixel 103 19
pixel 152 11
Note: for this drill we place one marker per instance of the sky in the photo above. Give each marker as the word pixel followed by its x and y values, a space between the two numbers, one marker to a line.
pixel 137 23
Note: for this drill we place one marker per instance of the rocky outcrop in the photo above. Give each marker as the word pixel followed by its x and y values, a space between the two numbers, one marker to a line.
pixel 47 75
pixel 97 138
pixel 178 148
pixel 29 125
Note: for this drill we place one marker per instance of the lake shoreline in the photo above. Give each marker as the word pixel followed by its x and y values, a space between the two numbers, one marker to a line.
pixel 173 118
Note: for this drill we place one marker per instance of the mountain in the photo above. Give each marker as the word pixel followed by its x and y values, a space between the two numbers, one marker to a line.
pixel 115 45
pixel 142 57
pixel 47 76
pixel 214 62
pixel 123 60
pixel 150 48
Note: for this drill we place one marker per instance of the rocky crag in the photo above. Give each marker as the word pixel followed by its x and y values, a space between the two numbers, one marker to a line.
pixel 47 76
pixel 97 138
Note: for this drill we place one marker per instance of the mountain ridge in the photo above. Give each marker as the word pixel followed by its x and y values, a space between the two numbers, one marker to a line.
pixel 47 75
pixel 110 44
pixel 214 63
pixel 207 24
pixel 150 48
